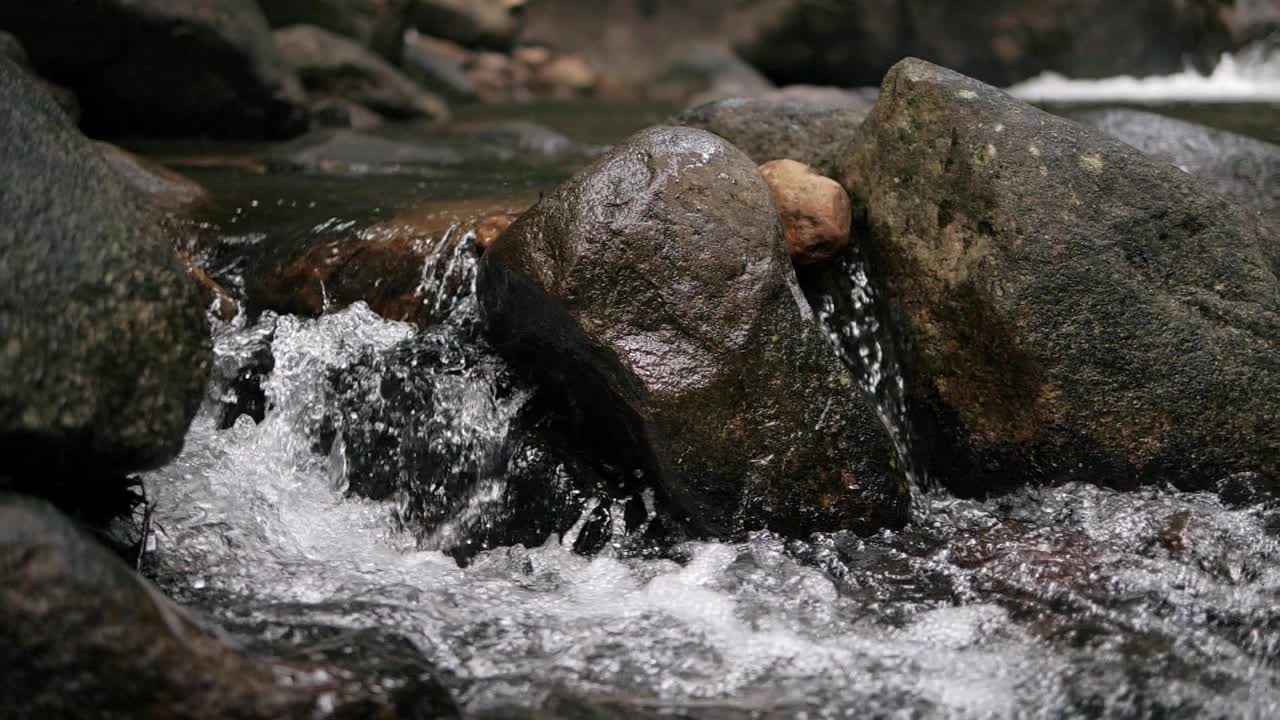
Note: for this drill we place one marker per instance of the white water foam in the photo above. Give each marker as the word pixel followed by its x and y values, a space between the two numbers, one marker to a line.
pixel 1252 76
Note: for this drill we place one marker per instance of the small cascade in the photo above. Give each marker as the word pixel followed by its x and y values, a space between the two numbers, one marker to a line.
pixel 851 310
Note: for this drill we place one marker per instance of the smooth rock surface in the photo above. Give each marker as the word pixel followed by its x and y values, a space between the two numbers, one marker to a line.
pixel 488 24
pixel 105 348
pixel 654 289
pixel 331 65
pixel 376 24
pixel 169 67
pixel 816 212
pixel 1067 307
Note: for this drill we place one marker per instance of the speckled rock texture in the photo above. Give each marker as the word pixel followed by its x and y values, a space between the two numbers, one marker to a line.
pixel 810 128
pixel 168 67
pixel 1068 308
pixel 104 346
pixel 654 292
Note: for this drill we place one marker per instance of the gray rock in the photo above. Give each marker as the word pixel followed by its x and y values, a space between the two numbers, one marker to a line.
pixel 1238 167
pixel 438 65
pixel 105 348
pixel 1068 308
pixel 654 290
pixel 193 67
pixel 11 48
pixel 162 187
pixel 812 129
pixel 81 635
pixel 705 73
pixel 335 66
pixel 376 24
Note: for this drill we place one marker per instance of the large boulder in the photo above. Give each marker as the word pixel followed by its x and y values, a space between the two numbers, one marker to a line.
pixel 653 289
pixel 376 24
pixel 1067 307
pixel 82 635
pixel 173 67
pixel 105 348
pixel 335 66
pixel 999 41
pixel 1241 168
pixel 809 128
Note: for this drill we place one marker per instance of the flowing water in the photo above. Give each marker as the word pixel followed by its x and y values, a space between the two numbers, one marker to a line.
pixel 1049 602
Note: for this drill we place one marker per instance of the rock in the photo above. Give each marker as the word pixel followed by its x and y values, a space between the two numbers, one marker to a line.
pixel 564 76
pixel 376 24
pixel 193 67
pixel 816 213
pixel 355 152
pixel 782 125
pixel 337 113
pixel 210 291
pixel 11 48
pixel 82 635
pixel 1238 167
pixel 332 65
pixel 1001 42
pixel 487 24
pixel 491 228
pixel 439 65
pixel 1068 308
pixel 654 290
pixel 705 73
pixel 106 348
pixel 163 187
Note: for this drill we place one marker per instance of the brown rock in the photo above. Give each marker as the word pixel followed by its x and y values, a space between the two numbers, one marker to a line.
pixel 209 288
pixel 564 76
pixel 491 228
pixel 816 212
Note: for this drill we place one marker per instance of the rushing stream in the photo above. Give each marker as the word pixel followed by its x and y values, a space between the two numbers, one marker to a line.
pixel 1049 602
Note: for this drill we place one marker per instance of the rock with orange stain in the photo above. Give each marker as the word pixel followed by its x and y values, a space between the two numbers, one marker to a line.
pixel 816 212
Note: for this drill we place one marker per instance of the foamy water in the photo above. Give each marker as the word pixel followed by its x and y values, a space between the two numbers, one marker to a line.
pixel 1249 77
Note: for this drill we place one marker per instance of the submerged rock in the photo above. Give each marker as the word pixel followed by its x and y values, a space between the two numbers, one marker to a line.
pixel 1068 308
pixel 105 347
pixel 654 291
pixel 811 129
pixel 335 66
pixel 194 67
pixel 376 24
pixel 81 635
pixel 1241 168
pixel 816 213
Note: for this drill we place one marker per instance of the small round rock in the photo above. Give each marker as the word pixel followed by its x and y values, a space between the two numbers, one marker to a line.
pixel 816 211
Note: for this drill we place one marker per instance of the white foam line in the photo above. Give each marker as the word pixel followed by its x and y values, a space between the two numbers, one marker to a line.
pixel 1232 81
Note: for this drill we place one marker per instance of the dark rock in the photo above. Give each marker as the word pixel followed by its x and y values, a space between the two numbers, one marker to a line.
pixel 783 125
pixel 1068 307
pixel 653 290
pixel 11 48
pixel 337 113
pixel 376 24
pixel 105 343
pixel 161 186
pixel 705 73
pixel 335 66
pixel 1001 42
pixel 1238 167
pixel 488 24
pixel 439 65
pixel 81 635
pixel 163 66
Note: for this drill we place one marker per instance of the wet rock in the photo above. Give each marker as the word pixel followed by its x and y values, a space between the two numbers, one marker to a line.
pixel 491 228
pixel 816 213
pixel 488 24
pixel 335 66
pixel 812 128
pixel 439 65
pixel 106 348
pixel 210 291
pixel 1067 306
pixel 337 113
pixel 1238 167
pixel 654 290
pixel 376 24
pixel 163 187
pixel 82 635
pixel 1001 42
pixel 11 48
pixel 194 67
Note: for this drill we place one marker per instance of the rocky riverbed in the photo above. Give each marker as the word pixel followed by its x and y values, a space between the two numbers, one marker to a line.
pixel 403 359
